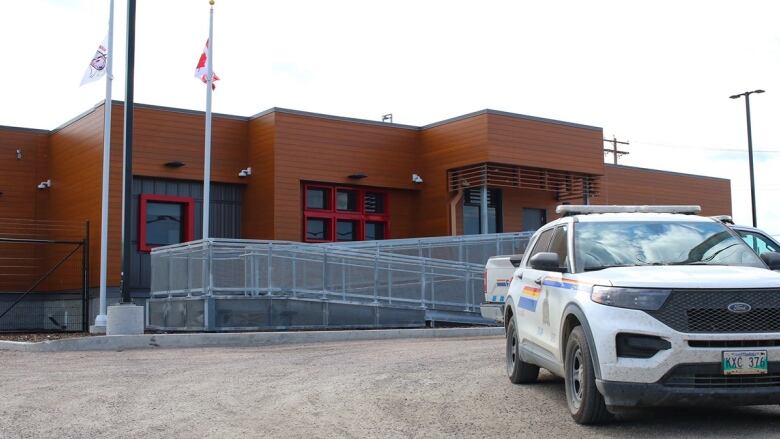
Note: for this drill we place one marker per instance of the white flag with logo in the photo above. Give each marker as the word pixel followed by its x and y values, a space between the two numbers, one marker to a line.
pixel 97 67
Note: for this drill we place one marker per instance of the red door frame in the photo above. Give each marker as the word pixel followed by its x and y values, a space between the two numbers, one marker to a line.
pixel 188 222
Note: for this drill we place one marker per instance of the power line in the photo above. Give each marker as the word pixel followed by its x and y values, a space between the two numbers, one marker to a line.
pixel 704 148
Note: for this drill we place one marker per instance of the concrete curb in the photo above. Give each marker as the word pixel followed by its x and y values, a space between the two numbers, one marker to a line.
pixel 238 339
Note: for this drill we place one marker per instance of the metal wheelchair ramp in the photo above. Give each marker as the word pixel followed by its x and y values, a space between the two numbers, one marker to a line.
pixel 229 285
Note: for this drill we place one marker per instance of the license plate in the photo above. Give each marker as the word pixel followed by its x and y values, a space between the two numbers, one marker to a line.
pixel 744 362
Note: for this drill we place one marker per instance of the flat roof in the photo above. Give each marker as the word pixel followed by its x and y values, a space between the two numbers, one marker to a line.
pixel 329 117
pixel 23 129
pixel 660 171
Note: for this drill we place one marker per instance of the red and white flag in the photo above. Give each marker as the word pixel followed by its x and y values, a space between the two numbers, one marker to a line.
pixel 97 67
pixel 201 70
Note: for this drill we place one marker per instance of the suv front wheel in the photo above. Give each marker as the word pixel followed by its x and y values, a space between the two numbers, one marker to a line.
pixel 585 402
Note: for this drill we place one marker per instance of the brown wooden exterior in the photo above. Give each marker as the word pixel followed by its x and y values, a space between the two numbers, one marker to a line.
pixel 627 183
pixel 287 148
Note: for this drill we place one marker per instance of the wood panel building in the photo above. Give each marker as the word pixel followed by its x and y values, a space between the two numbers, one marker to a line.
pixel 317 177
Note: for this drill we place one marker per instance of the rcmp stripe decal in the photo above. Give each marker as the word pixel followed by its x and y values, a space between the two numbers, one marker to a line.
pixel 529 298
pixel 568 284
pixel 527 303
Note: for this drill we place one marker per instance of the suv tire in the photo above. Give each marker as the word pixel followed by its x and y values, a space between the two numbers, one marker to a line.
pixel 519 371
pixel 586 404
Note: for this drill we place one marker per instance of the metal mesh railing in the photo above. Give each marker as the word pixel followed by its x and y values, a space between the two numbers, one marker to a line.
pixel 432 273
pixel 473 249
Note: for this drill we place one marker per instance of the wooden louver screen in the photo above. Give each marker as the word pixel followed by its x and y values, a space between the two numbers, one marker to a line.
pixel 567 185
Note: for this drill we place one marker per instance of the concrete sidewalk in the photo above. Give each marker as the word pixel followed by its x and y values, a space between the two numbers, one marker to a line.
pixel 236 339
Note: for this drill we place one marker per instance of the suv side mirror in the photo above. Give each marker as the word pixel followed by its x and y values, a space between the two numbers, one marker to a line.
pixel 516 260
pixel 545 261
pixel 771 259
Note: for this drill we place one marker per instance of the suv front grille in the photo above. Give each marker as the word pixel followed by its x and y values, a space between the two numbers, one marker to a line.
pixel 733 343
pixel 707 311
pixel 710 376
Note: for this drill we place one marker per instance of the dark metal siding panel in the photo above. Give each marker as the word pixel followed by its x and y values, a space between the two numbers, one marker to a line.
pixel 225 217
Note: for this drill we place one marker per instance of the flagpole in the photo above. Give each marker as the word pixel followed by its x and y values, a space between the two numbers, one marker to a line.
pixel 207 155
pixel 101 319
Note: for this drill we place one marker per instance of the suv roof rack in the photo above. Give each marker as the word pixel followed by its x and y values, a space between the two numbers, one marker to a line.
pixel 569 210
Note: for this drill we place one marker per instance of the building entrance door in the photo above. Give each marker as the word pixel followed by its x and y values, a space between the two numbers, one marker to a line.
pixel 533 219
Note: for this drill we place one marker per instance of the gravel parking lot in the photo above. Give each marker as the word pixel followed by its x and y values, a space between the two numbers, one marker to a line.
pixel 391 388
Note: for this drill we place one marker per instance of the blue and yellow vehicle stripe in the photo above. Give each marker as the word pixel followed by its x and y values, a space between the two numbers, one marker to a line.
pixel 529 298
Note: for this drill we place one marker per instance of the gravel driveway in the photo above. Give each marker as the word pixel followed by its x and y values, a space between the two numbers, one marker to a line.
pixel 391 388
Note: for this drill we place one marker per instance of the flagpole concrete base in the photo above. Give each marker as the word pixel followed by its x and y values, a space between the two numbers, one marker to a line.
pixel 97 330
pixel 125 320
pixel 100 325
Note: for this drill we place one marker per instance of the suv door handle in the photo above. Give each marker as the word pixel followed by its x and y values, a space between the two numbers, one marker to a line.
pixel 538 281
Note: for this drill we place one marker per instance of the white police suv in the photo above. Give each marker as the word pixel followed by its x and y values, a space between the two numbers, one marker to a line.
pixel 639 306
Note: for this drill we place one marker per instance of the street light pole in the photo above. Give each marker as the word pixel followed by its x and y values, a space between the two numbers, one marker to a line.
pixel 750 150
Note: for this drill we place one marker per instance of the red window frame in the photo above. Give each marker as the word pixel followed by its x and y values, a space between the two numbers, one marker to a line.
pixel 334 215
pixel 188 222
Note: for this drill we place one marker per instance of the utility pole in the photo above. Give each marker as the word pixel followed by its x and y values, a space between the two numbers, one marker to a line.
pixel 614 150
pixel 750 150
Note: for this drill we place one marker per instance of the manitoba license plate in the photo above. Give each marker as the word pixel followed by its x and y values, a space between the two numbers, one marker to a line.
pixel 744 362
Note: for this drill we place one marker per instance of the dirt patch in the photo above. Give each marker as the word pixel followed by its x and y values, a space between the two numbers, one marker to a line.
pixel 37 336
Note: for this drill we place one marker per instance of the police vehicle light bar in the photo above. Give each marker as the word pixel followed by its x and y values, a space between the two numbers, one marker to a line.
pixel 568 210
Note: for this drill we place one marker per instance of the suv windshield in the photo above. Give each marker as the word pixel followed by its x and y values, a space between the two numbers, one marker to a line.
pixel 601 245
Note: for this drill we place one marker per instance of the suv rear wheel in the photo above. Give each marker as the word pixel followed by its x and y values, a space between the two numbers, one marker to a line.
pixel 519 371
pixel 585 402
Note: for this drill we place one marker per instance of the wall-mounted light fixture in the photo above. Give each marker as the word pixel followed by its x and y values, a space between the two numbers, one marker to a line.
pixel 44 184
pixel 174 164
pixel 357 176
pixel 416 179
pixel 245 172
pixel 387 117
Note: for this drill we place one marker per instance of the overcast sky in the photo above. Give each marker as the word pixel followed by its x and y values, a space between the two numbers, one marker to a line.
pixel 655 73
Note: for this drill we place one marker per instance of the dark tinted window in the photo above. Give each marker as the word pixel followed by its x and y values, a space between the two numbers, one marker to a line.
pixel 374 231
pixel 317 229
pixel 472 221
pixel 346 230
pixel 317 198
pixel 542 243
pixel 164 223
pixel 560 246
pixel 346 200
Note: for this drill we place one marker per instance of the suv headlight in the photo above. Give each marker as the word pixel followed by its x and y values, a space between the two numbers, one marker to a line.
pixel 633 298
